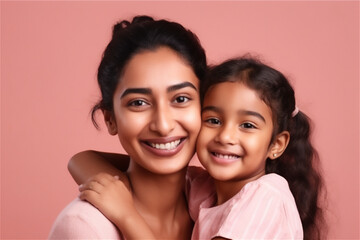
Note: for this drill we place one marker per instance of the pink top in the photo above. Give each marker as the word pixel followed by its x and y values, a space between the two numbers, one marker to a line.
pixel 263 209
pixel 80 220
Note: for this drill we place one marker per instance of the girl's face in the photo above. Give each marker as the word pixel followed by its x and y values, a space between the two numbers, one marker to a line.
pixel 157 111
pixel 234 141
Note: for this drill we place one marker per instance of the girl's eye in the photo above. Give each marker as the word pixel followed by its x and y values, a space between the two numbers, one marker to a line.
pixel 213 121
pixel 137 103
pixel 248 125
pixel 181 99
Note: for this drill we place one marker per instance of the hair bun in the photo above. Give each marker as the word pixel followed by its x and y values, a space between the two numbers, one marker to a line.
pixel 118 27
pixel 142 19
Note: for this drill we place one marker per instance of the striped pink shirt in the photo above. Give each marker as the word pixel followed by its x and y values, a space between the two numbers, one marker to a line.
pixel 263 209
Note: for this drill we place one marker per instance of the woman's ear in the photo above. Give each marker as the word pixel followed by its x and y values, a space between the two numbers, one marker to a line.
pixel 279 145
pixel 110 122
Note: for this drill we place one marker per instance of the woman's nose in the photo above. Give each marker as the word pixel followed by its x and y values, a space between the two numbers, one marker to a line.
pixel 163 120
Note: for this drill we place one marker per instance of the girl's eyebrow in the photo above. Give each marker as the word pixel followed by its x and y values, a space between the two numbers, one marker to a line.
pixel 240 112
pixel 211 108
pixel 252 113
pixel 148 91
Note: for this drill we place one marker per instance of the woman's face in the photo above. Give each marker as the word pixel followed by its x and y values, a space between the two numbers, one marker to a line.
pixel 157 110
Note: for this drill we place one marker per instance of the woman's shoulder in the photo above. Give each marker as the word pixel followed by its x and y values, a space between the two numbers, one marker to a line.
pixel 81 220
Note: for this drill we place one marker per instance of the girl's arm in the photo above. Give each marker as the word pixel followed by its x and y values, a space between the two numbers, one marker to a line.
pixel 87 164
pixel 114 199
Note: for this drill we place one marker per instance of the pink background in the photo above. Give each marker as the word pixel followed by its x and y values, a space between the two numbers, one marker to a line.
pixel 49 56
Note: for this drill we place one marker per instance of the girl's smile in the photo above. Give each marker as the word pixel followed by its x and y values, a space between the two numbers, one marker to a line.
pixel 236 132
pixel 224 157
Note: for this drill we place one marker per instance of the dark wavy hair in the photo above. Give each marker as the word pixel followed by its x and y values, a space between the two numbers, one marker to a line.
pixel 141 34
pixel 299 164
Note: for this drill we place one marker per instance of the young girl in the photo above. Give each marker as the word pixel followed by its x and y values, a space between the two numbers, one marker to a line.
pixel 254 143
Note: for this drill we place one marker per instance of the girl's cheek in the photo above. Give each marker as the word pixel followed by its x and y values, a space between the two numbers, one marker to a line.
pixel 201 139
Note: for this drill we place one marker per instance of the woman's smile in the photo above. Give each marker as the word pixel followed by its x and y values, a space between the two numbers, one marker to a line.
pixel 164 147
pixel 157 110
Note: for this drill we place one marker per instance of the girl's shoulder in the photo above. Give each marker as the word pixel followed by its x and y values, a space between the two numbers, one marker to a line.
pixel 275 185
pixel 264 207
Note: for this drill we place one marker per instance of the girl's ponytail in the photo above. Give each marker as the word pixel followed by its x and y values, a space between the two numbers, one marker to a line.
pixel 299 164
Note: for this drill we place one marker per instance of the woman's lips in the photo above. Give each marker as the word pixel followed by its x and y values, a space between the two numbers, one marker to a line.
pixel 165 147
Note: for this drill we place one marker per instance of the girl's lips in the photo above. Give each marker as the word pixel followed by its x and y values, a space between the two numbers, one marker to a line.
pixel 222 157
pixel 164 147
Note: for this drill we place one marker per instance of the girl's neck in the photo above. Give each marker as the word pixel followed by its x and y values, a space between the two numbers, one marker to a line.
pixel 228 189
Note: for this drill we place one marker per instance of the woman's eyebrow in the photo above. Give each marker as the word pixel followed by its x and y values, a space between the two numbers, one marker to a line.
pixel 180 85
pixel 146 91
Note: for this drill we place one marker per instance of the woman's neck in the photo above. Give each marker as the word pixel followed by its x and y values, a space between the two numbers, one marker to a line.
pixel 161 202
pixel 156 194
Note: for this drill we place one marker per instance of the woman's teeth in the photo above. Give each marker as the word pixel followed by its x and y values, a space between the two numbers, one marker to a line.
pixel 166 146
pixel 226 156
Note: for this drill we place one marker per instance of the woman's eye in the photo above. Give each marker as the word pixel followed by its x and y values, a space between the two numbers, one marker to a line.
pixel 181 99
pixel 248 125
pixel 137 103
pixel 214 121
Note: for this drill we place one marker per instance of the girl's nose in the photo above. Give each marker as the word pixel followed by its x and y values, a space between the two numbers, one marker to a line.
pixel 163 121
pixel 227 135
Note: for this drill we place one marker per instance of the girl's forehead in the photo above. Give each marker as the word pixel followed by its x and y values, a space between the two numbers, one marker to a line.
pixel 235 96
pixel 224 91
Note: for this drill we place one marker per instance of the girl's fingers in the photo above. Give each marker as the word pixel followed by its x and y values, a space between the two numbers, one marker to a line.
pixel 91 186
pixel 103 178
pixel 90 196
pixel 102 181
pixel 124 179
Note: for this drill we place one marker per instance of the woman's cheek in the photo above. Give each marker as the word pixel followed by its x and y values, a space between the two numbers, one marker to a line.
pixel 193 120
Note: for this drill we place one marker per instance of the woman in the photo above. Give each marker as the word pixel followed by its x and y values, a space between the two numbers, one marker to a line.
pixel 149 79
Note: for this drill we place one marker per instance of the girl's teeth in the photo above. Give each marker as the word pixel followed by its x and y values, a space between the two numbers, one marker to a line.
pixel 166 146
pixel 225 156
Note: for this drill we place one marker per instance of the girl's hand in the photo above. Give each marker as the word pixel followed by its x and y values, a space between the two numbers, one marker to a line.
pixel 110 195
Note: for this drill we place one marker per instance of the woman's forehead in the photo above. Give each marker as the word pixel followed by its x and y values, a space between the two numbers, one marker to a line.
pixel 162 67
